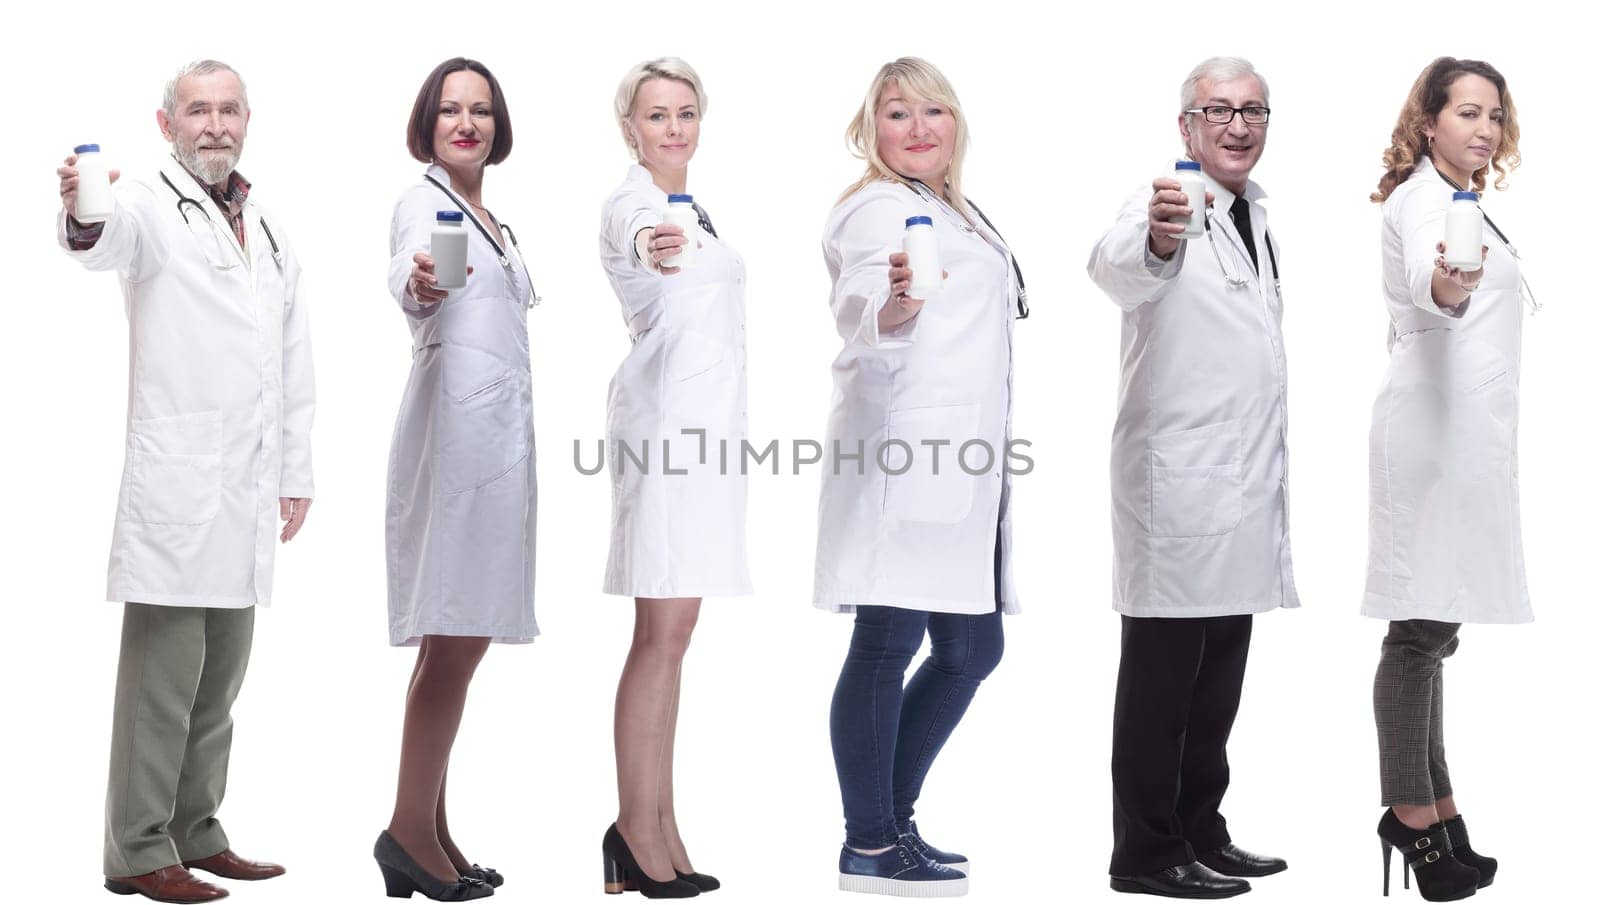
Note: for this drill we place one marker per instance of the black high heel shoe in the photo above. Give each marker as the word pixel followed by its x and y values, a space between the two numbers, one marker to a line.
pixel 623 872
pixel 702 882
pixel 1483 864
pixel 402 876
pixel 487 874
pixel 1440 877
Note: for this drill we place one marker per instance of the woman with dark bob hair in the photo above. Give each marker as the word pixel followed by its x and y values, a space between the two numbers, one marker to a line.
pixel 461 497
pixel 1445 540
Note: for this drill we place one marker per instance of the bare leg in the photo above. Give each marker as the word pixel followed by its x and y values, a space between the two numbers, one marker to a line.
pixel 1446 807
pixel 644 724
pixel 437 695
pixel 669 818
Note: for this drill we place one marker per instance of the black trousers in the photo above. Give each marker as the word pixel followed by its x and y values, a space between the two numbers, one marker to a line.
pixel 1177 694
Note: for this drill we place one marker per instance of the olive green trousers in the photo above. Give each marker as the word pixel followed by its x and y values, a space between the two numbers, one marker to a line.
pixel 171 730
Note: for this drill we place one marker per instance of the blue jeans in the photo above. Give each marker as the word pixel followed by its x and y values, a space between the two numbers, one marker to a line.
pixel 885 737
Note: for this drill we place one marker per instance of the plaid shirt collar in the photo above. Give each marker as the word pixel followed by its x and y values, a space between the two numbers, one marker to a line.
pixel 229 199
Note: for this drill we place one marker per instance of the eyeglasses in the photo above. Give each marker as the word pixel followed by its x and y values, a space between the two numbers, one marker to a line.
pixel 1254 116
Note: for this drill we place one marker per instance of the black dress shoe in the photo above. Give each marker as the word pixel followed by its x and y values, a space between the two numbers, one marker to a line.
pixel 1232 861
pixel 487 874
pixel 1185 881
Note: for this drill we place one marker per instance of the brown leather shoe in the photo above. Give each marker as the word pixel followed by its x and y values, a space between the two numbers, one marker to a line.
pixel 227 864
pixel 169 884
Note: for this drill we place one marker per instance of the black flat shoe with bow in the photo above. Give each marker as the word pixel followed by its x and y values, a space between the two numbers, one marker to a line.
pixel 402 876
pixel 487 874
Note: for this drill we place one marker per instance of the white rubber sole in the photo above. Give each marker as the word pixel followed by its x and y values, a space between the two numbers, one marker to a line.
pixel 911 889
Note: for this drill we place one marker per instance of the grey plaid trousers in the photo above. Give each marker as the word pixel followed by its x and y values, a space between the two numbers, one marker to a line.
pixel 1408 704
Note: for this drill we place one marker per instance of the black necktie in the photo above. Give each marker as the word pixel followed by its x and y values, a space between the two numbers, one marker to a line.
pixel 1241 219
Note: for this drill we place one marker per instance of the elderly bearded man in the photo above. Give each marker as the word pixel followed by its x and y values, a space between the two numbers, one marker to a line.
pixel 219 420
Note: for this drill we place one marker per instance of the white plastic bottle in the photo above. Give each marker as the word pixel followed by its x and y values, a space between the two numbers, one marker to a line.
pixel 1194 185
pixel 94 186
pixel 448 248
pixel 1463 233
pixel 922 247
pixel 681 213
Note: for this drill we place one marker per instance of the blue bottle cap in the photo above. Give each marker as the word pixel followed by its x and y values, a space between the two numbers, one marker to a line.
pixel 86 149
pixel 1465 196
pixel 451 216
pixel 1188 165
pixel 680 199
pixel 913 221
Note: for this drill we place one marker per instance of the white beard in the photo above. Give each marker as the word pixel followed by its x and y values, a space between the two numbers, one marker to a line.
pixel 212 167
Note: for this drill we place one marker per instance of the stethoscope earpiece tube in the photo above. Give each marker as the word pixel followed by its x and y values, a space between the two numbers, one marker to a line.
pixel 505 259
pixel 185 202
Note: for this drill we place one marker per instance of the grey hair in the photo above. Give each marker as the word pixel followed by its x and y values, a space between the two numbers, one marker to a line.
pixel 169 97
pixel 662 68
pixel 1219 69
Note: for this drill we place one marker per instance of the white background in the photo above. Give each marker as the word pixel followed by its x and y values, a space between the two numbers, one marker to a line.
pixel 1069 111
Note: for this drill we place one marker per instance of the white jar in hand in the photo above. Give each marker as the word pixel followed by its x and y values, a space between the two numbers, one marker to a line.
pixel 94 186
pixel 1463 233
pixel 448 247
pixel 922 249
pixel 681 213
pixel 1194 185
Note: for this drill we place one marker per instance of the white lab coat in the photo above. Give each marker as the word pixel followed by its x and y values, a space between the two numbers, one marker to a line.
pixel 925 539
pixel 1199 458
pixel 462 496
pixel 1445 535
pixel 220 394
pixel 675 534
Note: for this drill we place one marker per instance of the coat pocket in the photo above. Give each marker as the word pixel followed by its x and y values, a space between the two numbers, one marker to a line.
pixel 932 487
pixel 1197 480
pixel 484 422
pixel 691 353
pixel 174 472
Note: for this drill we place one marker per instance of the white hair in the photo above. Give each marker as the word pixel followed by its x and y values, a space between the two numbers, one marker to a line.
pixel 169 98
pixel 663 68
pixel 1219 69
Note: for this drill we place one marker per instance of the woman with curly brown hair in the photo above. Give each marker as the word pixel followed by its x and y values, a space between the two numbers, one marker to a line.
pixel 1445 536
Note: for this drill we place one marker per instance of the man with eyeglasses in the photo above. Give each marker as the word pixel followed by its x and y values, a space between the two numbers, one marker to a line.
pixel 1199 489
pixel 220 403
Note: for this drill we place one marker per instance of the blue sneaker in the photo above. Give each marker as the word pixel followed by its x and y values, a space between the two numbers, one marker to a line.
pixel 913 840
pixel 899 871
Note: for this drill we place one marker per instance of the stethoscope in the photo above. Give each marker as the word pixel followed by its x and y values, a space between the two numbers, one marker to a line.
pixel 185 202
pixel 1230 275
pixel 1524 289
pixel 922 189
pixel 505 230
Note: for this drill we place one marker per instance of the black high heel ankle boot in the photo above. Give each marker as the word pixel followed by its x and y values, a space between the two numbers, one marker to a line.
pixel 1483 864
pixel 1440 877
pixel 623 872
